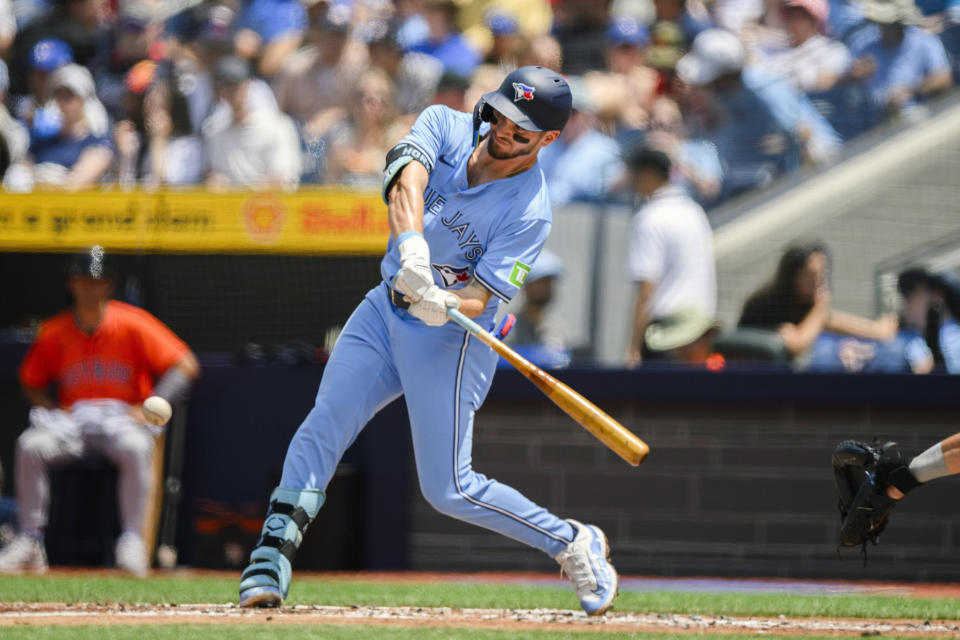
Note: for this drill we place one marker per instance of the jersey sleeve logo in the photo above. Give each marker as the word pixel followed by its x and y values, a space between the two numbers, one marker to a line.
pixel 452 275
pixel 519 273
pixel 523 91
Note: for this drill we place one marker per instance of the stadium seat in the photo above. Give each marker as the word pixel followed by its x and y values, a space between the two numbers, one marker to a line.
pixel 749 345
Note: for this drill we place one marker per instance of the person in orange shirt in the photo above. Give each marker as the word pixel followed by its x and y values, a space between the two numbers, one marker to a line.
pixel 102 356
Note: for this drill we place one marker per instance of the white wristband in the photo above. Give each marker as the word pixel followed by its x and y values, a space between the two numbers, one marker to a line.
pixel 413 247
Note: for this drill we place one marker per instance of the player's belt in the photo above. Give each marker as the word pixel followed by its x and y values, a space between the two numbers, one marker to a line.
pixel 397 299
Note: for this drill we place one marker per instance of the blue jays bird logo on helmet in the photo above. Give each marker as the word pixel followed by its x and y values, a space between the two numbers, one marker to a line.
pixel 533 98
pixel 523 91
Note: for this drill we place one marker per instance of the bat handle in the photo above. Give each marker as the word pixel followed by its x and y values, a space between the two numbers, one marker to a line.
pixel 464 321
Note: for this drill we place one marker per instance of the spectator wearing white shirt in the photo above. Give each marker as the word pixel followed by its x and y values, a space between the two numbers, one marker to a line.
pixel 14 139
pixel 257 148
pixel 809 60
pixel 671 262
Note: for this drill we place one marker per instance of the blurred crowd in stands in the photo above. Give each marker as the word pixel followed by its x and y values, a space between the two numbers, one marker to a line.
pixel 279 93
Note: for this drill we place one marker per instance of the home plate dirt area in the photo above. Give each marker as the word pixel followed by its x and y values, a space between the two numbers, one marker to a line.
pixel 49 614
pixel 15 614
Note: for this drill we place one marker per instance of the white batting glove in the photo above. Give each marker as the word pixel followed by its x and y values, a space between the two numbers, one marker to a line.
pixel 432 308
pixel 415 275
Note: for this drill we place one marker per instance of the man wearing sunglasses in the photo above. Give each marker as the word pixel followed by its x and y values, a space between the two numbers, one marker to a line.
pixel 469 213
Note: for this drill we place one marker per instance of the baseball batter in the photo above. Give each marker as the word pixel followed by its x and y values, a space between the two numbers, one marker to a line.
pixel 469 212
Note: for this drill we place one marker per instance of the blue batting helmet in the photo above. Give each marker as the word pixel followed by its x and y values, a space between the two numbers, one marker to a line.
pixel 534 98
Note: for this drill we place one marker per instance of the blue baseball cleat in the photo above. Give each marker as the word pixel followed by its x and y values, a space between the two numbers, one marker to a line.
pixel 261 597
pixel 586 561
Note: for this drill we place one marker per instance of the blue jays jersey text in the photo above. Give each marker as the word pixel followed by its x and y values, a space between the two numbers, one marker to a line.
pixel 491 232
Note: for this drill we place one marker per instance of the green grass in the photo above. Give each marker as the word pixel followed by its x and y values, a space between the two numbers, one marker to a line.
pixel 333 632
pixel 346 592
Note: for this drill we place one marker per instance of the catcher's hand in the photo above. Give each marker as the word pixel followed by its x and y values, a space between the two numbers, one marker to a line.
pixel 862 473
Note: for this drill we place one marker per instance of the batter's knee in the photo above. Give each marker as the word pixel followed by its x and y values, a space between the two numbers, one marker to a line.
pixel 135 446
pixel 445 499
pixel 36 444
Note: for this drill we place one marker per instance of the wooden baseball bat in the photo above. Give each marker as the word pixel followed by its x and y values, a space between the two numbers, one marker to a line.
pixel 610 432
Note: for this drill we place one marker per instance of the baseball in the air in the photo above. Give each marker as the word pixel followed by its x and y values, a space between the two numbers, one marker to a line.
pixel 157 411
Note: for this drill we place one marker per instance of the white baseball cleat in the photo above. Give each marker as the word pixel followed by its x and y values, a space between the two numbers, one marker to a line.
pixel 131 554
pixel 586 561
pixel 24 553
pixel 261 597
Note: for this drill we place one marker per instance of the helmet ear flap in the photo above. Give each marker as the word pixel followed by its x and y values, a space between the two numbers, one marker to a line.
pixel 481 114
pixel 486 112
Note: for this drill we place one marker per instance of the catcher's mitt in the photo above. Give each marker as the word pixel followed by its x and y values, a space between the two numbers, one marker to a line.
pixel 863 472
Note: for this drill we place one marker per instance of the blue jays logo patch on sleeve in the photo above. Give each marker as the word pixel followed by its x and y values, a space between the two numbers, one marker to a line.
pixel 523 91
pixel 452 275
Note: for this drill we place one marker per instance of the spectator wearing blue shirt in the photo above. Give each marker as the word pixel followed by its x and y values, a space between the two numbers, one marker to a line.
pixel 14 138
pixel 760 125
pixel 75 158
pixel 843 17
pixel 626 42
pixel 947 286
pixel 916 286
pixel 269 31
pixel 581 145
pixel 444 41
pixel 901 62
pixel 47 56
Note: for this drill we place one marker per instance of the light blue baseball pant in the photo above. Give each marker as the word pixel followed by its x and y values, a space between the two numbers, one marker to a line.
pixel 445 375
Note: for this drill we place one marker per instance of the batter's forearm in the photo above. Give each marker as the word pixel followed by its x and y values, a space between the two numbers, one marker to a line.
pixel 473 299
pixel 405 200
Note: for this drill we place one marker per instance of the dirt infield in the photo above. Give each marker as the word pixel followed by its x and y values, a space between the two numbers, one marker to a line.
pixel 55 614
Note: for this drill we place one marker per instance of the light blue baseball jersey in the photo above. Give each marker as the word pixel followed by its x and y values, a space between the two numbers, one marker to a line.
pixel 492 232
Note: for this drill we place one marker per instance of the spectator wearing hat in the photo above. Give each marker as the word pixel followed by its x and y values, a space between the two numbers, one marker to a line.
pixel 505 38
pixel 47 56
pixel 901 63
pixel 451 92
pixel 484 22
pixel 269 31
pixel 581 145
pixel 535 334
pixel 314 85
pixel 257 148
pixel 14 138
pixel 78 23
pixel 760 125
pixel 76 157
pixel 626 42
pixel 445 42
pixel 670 261
pixel 809 60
